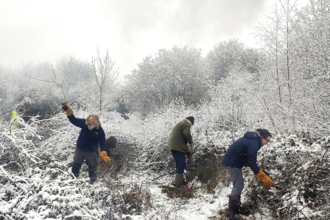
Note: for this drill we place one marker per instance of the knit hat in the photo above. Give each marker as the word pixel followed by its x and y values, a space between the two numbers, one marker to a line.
pixel 191 119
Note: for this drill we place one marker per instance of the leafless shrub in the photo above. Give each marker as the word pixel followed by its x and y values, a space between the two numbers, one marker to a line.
pixel 301 182
pixel 208 168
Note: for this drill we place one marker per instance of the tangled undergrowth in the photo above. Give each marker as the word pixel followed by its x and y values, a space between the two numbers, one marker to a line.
pixel 36 179
pixel 173 192
pixel 300 172
pixel 207 169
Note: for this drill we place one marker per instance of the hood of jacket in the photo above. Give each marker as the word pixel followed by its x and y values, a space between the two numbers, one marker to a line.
pixel 253 136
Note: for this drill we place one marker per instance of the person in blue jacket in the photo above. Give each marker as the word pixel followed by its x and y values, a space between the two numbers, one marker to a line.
pixel 91 136
pixel 243 152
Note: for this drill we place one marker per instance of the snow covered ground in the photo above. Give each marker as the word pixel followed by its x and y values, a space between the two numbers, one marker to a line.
pixel 37 183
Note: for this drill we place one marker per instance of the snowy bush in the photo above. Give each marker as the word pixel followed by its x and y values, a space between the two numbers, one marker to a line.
pixel 299 170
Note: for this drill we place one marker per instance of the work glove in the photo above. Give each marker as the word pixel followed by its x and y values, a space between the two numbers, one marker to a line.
pixel 188 153
pixel 105 157
pixel 67 109
pixel 267 174
pixel 265 179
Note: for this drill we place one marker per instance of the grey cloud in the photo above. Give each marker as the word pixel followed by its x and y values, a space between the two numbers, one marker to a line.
pixel 132 29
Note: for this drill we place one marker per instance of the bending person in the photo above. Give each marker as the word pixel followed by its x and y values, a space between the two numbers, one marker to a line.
pixel 243 152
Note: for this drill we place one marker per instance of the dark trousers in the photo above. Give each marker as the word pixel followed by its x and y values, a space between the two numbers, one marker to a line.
pixel 91 160
pixel 180 161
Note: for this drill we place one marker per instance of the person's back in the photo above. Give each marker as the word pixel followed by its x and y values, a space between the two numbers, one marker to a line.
pixel 178 140
pixel 244 152
pixel 180 136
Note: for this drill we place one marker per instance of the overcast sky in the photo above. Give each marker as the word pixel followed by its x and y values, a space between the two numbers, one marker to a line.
pixel 45 30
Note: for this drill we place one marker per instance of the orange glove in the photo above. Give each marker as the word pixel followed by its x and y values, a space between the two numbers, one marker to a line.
pixel 188 153
pixel 66 108
pixel 267 174
pixel 265 179
pixel 105 157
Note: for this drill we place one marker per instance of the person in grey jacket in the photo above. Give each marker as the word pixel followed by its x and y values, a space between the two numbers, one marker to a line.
pixel 179 138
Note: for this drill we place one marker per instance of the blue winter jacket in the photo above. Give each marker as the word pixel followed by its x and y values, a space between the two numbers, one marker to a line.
pixel 244 151
pixel 88 140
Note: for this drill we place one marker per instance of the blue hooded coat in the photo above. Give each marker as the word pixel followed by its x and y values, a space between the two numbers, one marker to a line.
pixel 244 151
pixel 88 140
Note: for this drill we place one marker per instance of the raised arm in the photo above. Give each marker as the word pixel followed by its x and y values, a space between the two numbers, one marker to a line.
pixel 75 121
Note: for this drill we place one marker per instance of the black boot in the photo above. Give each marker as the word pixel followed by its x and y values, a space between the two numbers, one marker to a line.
pixel 233 208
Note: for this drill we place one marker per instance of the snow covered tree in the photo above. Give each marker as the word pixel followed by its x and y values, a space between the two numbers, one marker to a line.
pixel 313 58
pixel 4 89
pixel 229 55
pixel 35 88
pixel 70 73
pixel 280 74
pixel 177 73
pixel 104 73
pixel 223 58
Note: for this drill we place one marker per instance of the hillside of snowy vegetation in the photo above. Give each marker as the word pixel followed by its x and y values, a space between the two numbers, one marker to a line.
pixel 37 183
pixel 282 86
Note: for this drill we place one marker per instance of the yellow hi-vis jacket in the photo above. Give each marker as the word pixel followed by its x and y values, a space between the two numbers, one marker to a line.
pixel 14 124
